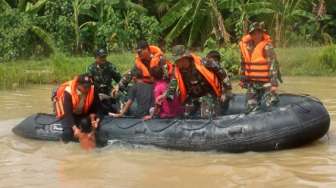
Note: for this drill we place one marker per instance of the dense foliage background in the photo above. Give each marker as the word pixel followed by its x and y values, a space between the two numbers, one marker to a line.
pixel 40 27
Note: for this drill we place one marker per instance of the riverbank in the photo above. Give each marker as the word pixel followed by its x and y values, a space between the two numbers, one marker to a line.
pixel 55 69
pixel 58 68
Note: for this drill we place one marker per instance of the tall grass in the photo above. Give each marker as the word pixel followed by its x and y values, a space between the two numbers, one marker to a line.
pixel 303 62
pixel 319 61
pixel 55 69
pixel 328 57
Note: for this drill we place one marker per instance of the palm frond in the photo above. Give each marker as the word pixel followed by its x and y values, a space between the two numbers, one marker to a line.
pixel 196 24
pixel 45 37
pixel 89 12
pixel 183 22
pixel 134 6
pixel 176 12
pixel 89 23
pixel 22 5
pixel 34 8
pixel 5 5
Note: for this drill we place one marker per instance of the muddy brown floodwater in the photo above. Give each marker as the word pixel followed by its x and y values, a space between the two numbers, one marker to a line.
pixel 29 163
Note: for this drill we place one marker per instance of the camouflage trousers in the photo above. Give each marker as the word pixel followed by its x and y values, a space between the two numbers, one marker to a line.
pixel 259 95
pixel 207 106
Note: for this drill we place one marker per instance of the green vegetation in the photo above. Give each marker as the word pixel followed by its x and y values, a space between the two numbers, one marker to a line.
pixel 304 61
pixel 47 41
pixel 328 57
pixel 38 28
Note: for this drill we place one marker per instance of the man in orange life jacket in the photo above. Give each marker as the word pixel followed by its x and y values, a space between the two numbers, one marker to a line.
pixel 197 86
pixel 259 68
pixel 148 56
pixel 76 105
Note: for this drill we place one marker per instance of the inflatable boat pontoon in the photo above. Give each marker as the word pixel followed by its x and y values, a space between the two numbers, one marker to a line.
pixel 294 121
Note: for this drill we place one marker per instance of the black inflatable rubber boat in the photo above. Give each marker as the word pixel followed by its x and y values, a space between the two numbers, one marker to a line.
pixel 294 121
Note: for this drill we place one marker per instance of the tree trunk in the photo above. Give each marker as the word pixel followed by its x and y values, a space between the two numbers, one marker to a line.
pixel 245 25
pixel 277 30
pixel 76 25
pixel 220 23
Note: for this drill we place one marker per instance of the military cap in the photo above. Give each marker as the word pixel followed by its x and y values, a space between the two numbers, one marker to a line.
pixel 101 53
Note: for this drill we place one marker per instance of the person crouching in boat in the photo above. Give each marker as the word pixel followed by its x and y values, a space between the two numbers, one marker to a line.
pixel 76 106
pixel 197 86
pixel 259 68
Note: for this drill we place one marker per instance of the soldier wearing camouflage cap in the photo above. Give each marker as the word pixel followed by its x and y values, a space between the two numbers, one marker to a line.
pixel 103 73
pixel 259 68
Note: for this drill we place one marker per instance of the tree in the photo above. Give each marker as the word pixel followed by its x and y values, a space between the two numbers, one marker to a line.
pixel 284 14
pixel 240 12
pixel 115 24
pixel 197 19
pixel 32 9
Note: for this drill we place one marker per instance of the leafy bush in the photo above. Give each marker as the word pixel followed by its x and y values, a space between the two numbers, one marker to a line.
pixel 301 61
pixel 231 59
pixel 119 33
pixel 13 35
pixel 20 34
pixel 57 21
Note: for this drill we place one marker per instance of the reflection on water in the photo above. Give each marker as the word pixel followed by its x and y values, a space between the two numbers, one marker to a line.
pixel 29 163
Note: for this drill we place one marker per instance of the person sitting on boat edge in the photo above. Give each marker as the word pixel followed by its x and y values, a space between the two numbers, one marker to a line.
pixel 141 94
pixel 147 56
pixel 103 73
pixel 164 108
pixel 197 87
pixel 76 105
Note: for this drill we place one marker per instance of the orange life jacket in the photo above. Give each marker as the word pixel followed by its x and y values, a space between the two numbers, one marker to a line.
pixel 155 61
pixel 210 77
pixel 255 66
pixel 59 98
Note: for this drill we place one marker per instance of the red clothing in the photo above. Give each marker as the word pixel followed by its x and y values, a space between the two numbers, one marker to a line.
pixel 169 109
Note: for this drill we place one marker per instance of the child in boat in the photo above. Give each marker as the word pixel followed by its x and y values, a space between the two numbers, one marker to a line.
pixel 164 108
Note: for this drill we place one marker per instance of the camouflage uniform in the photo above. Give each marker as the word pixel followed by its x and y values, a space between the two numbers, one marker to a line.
pixel 103 75
pixel 201 98
pixel 222 75
pixel 258 93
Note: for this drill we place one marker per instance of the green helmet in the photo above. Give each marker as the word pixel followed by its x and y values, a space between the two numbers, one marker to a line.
pixel 257 26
